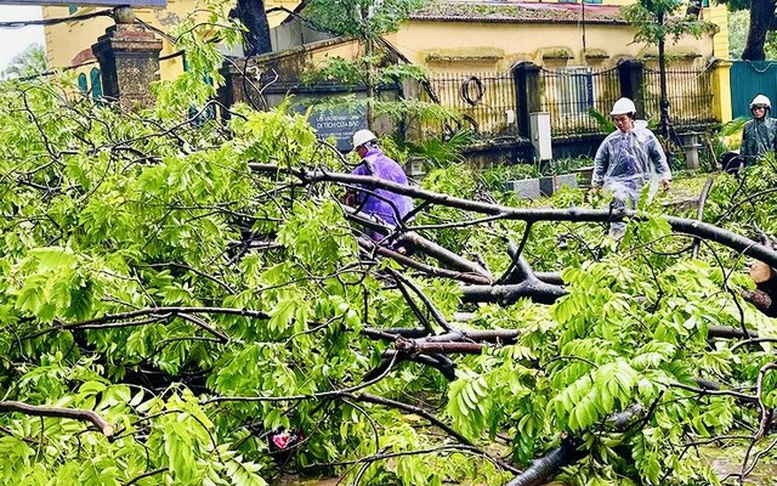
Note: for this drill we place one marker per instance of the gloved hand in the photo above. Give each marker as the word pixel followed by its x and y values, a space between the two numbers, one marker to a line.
pixel 666 184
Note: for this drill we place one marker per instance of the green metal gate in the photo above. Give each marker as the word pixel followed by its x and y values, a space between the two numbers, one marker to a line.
pixel 749 78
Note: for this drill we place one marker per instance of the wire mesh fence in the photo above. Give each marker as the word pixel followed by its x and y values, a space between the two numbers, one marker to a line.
pixel 485 101
pixel 570 94
pixel 689 93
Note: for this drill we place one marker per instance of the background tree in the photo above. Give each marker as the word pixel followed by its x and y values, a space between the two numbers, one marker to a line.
pixel 763 20
pixel 738 28
pixel 29 62
pixel 367 21
pixel 256 37
pixel 659 21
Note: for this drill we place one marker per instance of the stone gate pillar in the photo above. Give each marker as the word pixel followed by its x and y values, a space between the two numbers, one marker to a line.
pixel 630 73
pixel 526 77
pixel 129 61
pixel 721 90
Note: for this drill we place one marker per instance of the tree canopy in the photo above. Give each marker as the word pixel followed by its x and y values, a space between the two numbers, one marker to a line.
pixel 30 62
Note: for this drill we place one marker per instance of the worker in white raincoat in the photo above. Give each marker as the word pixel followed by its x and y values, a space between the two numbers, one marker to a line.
pixel 628 159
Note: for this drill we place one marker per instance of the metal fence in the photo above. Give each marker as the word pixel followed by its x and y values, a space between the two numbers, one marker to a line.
pixel 570 94
pixel 486 101
pixel 689 93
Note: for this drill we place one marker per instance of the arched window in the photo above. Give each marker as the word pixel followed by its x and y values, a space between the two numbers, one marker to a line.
pixel 97 85
pixel 82 83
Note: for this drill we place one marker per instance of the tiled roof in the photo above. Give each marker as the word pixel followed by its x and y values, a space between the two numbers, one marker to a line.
pixel 506 11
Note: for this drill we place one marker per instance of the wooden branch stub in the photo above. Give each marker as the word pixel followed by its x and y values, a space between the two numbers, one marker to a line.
pixel 449 347
pixel 758 298
pixel 760 272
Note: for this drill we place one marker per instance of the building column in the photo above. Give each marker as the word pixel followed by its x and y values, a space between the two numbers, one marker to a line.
pixel 129 61
pixel 721 90
pixel 526 77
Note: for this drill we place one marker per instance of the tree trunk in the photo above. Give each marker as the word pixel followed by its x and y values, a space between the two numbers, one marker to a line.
pixel 257 39
pixel 761 13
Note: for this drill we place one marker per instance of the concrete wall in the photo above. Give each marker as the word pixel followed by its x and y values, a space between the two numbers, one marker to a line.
pixel 475 47
pixel 445 46
pixel 292 34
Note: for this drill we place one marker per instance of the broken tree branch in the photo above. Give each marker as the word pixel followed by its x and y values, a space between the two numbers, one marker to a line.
pixel 683 225
pixel 505 295
pixel 467 277
pixel 71 413
pixel 700 212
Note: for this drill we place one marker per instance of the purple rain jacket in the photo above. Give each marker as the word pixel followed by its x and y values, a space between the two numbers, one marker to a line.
pixel 376 163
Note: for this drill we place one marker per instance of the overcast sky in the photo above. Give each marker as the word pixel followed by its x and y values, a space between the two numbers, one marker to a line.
pixel 14 41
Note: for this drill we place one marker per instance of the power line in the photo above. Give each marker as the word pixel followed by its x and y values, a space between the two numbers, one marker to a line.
pixel 17 24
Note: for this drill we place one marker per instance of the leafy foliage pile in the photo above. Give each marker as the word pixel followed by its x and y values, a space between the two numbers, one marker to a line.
pixel 226 324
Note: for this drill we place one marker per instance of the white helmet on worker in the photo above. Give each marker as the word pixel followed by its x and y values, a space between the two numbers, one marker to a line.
pixel 363 136
pixel 623 106
pixel 761 100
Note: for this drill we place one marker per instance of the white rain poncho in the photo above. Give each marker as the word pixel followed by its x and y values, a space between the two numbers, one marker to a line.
pixel 625 162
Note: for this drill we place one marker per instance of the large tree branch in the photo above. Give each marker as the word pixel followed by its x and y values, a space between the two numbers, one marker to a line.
pixel 536 290
pixel 468 277
pixel 72 413
pixel 547 466
pixel 544 468
pixel 420 243
pixel 164 312
pixel 692 227
pixel 415 347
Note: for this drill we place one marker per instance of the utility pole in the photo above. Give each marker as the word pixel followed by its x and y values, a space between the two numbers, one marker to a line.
pixel 664 124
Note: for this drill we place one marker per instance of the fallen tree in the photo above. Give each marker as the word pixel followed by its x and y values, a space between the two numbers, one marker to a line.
pixel 197 294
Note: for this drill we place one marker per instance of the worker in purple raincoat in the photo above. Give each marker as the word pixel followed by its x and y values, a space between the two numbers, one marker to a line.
pixel 385 206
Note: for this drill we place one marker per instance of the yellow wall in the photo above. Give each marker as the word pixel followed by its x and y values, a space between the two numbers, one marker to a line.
pixel 456 47
pixel 719 16
pixel 497 46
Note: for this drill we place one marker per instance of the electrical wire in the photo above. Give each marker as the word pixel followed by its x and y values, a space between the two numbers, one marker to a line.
pixel 18 24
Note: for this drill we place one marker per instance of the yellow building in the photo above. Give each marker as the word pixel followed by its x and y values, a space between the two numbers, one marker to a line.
pixel 448 36
pixel 445 35
pixel 456 36
pixel 69 44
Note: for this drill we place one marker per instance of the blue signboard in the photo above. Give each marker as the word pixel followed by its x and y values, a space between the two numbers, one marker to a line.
pixel 92 3
pixel 339 123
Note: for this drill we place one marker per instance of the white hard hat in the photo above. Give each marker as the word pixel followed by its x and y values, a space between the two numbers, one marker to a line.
pixel 761 100
pixel 363 136
pixel 623 106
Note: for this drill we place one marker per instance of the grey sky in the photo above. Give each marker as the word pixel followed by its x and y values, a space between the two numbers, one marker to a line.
pixel 14 41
